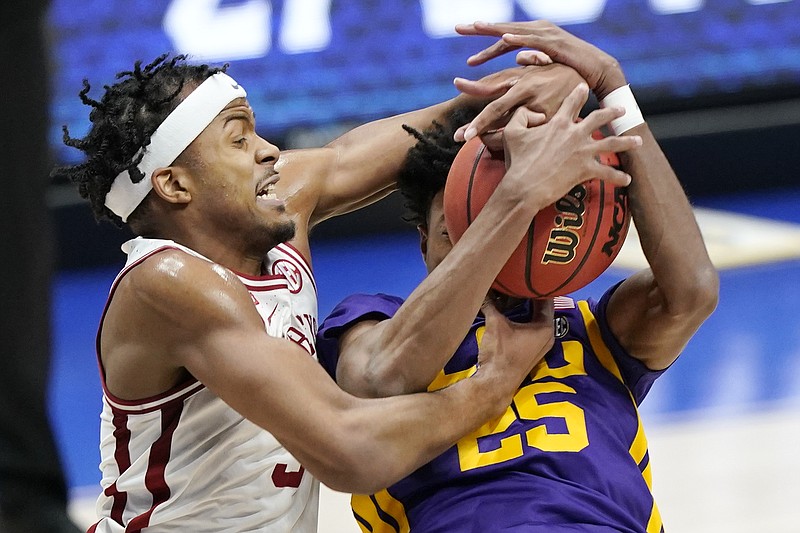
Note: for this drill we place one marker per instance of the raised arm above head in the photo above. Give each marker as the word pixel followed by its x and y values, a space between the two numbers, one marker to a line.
pixel 544 161
pixel 655 312
pixel 361 166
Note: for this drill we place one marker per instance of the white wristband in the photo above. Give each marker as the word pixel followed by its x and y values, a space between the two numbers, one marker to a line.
pixel 623 97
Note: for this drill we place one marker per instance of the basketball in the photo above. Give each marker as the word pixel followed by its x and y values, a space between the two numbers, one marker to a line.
pixel 568 244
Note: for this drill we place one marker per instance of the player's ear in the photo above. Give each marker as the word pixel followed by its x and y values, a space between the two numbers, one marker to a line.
pixel 172 185
pixel 423 239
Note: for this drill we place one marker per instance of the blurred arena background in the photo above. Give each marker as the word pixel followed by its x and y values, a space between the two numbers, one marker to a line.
pixel 719 82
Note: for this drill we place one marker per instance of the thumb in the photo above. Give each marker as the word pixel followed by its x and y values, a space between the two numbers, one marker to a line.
pixel 526 118
pixel 533 57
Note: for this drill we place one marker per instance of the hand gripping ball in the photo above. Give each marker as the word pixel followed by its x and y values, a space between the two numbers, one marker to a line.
pixel 568 244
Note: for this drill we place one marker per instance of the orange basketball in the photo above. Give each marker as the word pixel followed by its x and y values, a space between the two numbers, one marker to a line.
pixel 568 244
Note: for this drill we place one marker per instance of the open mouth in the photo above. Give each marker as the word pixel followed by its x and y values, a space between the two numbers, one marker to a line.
pixel 267 193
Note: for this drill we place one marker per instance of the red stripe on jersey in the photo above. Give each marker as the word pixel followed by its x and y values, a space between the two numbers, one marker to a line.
pixel 295 254
pixel 265 278
pixel 282 285
pixel 122 456
pixel 174 395
pixel 92 529
pixel 292 248
pixel 154 479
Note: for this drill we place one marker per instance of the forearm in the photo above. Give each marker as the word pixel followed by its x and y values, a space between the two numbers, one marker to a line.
pixel 397 435
pixel 668 231
pixel 410 349
pixel 350 444
pixel 369 158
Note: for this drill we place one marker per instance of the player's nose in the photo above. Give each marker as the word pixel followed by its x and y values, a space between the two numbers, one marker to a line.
pixel 267 152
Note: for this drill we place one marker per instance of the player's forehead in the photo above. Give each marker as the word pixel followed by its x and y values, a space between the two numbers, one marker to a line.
pixel 237 110
pixel 237 107
pixel 436 210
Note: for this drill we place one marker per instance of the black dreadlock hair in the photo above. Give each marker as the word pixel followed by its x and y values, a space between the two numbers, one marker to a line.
pixel 424 172
pixel 123 122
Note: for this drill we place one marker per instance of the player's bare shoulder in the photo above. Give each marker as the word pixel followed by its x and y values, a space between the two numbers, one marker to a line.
pixel 144 319
pixel 174 292
pixel 161 308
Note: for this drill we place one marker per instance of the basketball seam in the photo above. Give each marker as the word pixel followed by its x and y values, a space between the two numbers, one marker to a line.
pixel 475 163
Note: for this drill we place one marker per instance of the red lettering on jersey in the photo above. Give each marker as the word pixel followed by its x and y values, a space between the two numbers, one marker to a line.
pixel 282 479
pixel 299 338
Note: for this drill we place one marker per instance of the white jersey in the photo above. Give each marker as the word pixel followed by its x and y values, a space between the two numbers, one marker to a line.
pixel 184 460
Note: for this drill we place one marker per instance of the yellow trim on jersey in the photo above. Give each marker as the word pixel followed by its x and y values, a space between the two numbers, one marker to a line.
pixel 655 525
pixel 596 339
pixel 370 511
pixel 647 474
pixel 443 380
pixel 638 449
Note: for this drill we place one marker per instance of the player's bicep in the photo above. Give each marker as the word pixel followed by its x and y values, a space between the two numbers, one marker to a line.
pixel 360 177
pixel 368 159
pixel 640 319
pixel 320 183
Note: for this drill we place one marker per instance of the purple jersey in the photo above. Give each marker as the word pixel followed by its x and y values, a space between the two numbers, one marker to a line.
pixel 569 454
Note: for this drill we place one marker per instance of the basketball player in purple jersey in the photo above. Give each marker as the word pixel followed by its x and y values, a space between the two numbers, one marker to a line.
pixel 213 404
pixel 569 453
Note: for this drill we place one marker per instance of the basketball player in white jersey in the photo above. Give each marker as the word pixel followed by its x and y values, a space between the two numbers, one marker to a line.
pixel 216 416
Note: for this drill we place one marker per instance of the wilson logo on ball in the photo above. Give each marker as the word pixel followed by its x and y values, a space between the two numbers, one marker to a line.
pixel 564 237
pixel 568 244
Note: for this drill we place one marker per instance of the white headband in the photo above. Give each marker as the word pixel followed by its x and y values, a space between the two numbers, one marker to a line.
pixel 178 130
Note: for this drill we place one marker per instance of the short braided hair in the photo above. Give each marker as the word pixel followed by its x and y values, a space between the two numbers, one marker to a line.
pixel 123 121
pixel 428 162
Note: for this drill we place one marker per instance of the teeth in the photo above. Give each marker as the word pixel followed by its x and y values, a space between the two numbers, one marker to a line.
pixel 269 192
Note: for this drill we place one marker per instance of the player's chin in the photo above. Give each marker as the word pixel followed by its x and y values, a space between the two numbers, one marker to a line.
pixel 283 231
pixel 271 204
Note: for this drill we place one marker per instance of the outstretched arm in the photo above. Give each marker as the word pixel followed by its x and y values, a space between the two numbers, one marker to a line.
pixel 655 312
pixel 361 166
pixel 404 353
pixel 202 320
